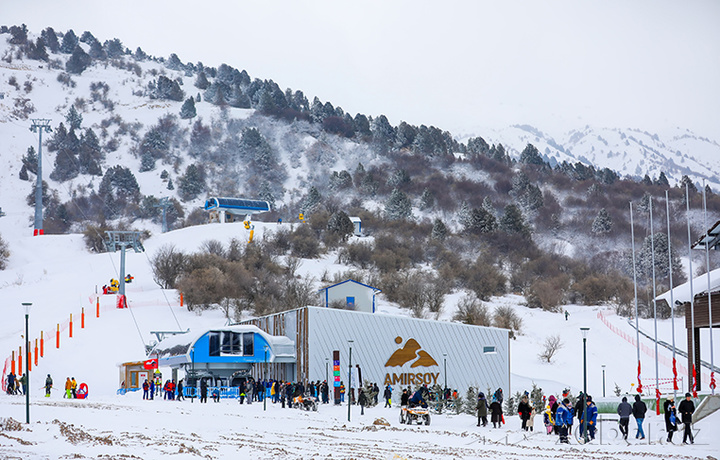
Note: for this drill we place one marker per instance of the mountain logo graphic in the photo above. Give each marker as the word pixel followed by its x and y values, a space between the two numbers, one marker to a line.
pixel 410 351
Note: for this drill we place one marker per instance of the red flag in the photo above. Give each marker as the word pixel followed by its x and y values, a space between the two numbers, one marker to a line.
pixel 657 401
pixel 694 385
pixel 675 382
pixel 151 364
pixel 712 381
pixel 639 388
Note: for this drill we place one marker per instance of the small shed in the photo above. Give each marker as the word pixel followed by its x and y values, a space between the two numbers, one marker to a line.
pixel 352 294
pixel 357 223
pixel 133 374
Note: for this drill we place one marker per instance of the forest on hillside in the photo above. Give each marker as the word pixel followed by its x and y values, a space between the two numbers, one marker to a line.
pixel 441 215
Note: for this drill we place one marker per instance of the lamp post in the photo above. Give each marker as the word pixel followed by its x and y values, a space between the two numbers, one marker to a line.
pixel 584 331
pixel 445 370
pixel 350 342
pixel 603 369
pixel 327 361
pixel 265 380
pixel 27 363
pixel 192 363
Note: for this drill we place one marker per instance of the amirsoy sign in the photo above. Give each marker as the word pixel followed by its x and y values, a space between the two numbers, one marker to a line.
pixel 412 353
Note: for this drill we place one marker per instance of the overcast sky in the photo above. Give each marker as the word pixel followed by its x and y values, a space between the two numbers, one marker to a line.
pixel 458 65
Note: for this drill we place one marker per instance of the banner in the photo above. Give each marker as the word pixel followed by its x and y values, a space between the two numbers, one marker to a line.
pixel 150 364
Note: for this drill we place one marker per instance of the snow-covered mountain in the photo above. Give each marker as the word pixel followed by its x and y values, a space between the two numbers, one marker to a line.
pixel 629 152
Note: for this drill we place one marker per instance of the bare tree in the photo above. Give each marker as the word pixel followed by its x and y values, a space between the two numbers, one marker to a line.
pixel 552 345
pixel 167 265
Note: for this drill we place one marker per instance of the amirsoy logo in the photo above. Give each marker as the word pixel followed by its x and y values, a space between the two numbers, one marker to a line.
pixel 411 352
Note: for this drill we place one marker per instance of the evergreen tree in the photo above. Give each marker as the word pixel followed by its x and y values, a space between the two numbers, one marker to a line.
pixel 383 134
pixel 266 194
pixel 167 89
pixel 91 154
pixel 97 51
pixel 398 178
pixel 118 191
pixel 427 199
pixel 87 37
pixel 686 181
pixel 201 82
pixel 361 125
pixel 18 35
pixel 465 215
pixel 50 38
pixel 114 48
pixel 78 62
pixel 73 118
pixel 140 55
pixel 439 230
pixel 481 221
pixel 341 225
pixel 478 146
pixel 603 223
pixel 470 404
pixel 662 263
pixel 512 220
pixel 192 183
pixel 37 51
pixel 23 175
pixel 69 42
pixel 662 180
pixel 66 162
pixel 646 180
pixel 398 207
pixel 531 156
pixel 188 111
pixel 311 202
pixel 170 185
pixel 488 205
pixel 240 100
pixel 708 190
pixel 30 160
pixel 340 180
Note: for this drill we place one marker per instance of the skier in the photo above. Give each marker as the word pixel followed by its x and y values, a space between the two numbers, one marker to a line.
pixel 638 410
pixel 687 408
pixel 482 409
pixel 48 385
pixel 624 410
pixel 670 417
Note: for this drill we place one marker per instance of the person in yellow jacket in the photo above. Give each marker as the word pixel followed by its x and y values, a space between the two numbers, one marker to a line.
pixel 548 419
pixel 68 388
pixel 73 387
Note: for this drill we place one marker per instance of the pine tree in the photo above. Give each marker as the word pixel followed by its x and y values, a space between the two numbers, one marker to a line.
pixel 686 181
pixel 69 42
pixel 512 220
pixel 201 82
pixel 427 199
pixel 398 207
pixel 114 48
pixel 188 111
pixel 439 230
pixel 97 51
pixel 603 223
pixel 266 194
pixel 30 160
pixel 192 183
pixel 340 224
pixel 170 185
pixel 90 155
pixel 66 162
pixel 481 221
pixel 73 118
pixel 465 215
pixel 311 202
pixel 78 62
pixel 662 180
pixel 470 402
pixel 662 263
pixel 531 156
pixel 50 38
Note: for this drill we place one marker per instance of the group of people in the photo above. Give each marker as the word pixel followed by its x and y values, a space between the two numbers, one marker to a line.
pixel 494 407
pixel 15 385
pixel 152 387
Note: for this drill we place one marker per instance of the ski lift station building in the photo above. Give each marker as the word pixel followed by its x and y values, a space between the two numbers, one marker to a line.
pixel 313 344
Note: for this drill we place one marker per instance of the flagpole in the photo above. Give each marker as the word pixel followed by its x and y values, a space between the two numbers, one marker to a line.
pixel 652 257
pixel 693 375
pixel 672 300
pixel 637 326
pixel 707 260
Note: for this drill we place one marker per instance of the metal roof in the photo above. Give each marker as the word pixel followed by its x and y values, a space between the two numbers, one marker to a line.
pixel 236 204
pixel 711 239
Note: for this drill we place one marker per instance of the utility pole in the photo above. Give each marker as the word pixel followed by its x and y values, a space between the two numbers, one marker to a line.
pixel 123 239
pixel 39 125
pixel 164 203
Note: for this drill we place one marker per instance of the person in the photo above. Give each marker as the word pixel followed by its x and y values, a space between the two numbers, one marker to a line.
pixel 591 413
pixel 554 404
pixel 166 390
pixel 325 391
pixel 498 395
pixel 153 388
pixel 362 400
pixel 566 315
pixel 11 383
pixel 180 389
pixel 417 399
pixel 203 391
pixel 68 389
pixel 145 386
pixel 24 383
pixel 482 409
pixel 670 417
pixel 48 385
pixel 548 419
pixel 624 410
pixel 687 408
pixel 404 398
pixel 342 392
pixel 531 421
pixel 388 394
pixel 376 393
pixel 563 418
pixel 496 413
pixel 216 395
pixel 638 410
pixel 524 410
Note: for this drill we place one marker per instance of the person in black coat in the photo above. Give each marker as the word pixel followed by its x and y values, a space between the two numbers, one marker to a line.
pixel 362 400
pixel 496 413
pixel 524 410
pixel 203 391
pixel 670 417
pixel 624 410
pixel 638 410
pixel 687 408
pixel 405 398
pixel 388 395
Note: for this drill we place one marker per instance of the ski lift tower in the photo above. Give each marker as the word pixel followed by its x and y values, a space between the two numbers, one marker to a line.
pixel 164 203
pixel 122 240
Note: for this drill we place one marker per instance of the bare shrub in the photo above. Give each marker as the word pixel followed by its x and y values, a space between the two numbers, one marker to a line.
pixel 213 247
pixel 94 237
pixel 505 317
pixel 359 254
pixel 472 311
pixel 4 253
pixel 167 265
pixel 304 243
pixel 552 345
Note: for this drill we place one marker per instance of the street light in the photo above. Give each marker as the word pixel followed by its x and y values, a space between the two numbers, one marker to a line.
pixel 265 381
pixel 349 387
pixel 584 331
pixel 327 360
pixel 27 362
pixel 445 371
pixel 603 368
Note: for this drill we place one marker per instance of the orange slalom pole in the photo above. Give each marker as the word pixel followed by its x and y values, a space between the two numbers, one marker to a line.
pixel 12 362
pixel 97 307
pixel 82 319
pixel 36 352
pixel 42 345
pixel 71 325
pixel 29 360
pixel 181 299
pixel 20 360
pixel 57 337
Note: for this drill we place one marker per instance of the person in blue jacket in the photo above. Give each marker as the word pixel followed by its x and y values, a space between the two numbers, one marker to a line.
pixel 563 419
pixel 592 413
pixel 417 399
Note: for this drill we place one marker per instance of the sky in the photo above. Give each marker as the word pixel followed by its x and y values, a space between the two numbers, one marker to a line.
pixel 457 65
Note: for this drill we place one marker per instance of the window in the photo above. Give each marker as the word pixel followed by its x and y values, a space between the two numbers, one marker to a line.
pixel 489 350
pixel 225 343
pixel 214 338
pixel 248 344
pixel 350 303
